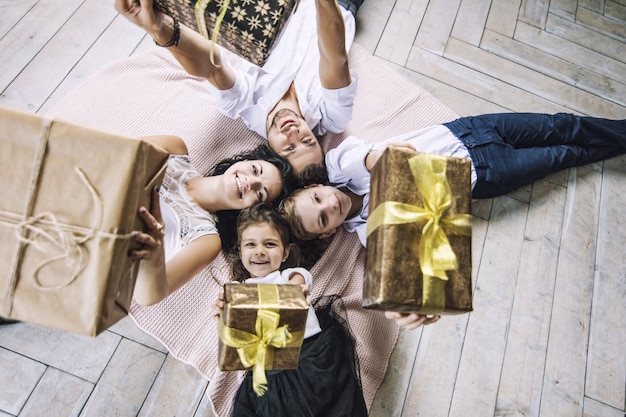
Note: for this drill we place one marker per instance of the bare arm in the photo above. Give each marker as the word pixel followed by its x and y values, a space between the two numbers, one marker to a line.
pixel 331 37
pixel 193 50
pixel 171 144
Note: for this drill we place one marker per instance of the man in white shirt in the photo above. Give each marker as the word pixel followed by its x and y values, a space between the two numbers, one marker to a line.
pixel 304 89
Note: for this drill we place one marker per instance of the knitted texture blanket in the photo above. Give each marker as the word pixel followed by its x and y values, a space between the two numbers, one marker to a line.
pixel 150 94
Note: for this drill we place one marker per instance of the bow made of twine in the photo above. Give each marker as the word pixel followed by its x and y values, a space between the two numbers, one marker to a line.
pixel 46 233
pixel 257 350
pixel 435 253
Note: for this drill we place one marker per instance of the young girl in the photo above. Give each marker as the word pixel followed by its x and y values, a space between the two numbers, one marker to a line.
pixel 182 237
pixel 326 382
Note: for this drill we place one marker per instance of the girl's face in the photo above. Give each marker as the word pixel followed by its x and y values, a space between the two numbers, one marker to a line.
pixel 322 209
pixel 261 250
pixel 247 183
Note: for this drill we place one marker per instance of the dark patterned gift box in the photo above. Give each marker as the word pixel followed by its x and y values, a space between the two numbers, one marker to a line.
pixel 248 28
pixel 261 328
pixel 419 234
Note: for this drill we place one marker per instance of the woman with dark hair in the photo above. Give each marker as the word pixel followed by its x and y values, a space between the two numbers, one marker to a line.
pixel 181 236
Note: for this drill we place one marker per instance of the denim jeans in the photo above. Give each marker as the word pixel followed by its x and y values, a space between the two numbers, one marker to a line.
pixel 510 150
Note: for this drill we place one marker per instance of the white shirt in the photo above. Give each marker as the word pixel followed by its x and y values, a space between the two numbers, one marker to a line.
pixel 346 164
pixel 294 58
pixel 282 277
pixel 184 220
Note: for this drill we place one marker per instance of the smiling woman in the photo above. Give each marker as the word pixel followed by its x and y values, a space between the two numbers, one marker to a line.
pixel 182 236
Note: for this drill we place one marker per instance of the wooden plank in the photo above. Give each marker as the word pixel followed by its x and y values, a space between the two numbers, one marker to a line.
pixel 129 330
pixel 19 46
pixel 587 61
pixel 204 409
pixel 593 408
pixel 11 12
pixel 526 51
pixel 615 11
pixel 587 38
pixel 30 90
pixel 371 21
pixel 564 8
pixel 564 374
pixel 57 394
pixel 480 367
pixel 440 350
pixel 534 12
pixel 390 397
pixel 82 356
pixel 503 17
pixel 612 28
pixel 470 21
pixel 397 38
pixel 575 100
pixel 593 5
pixel 437 26
pixel 606 361
pixel 519 392
pixel 126 381
pixel 478 83
pixel 177 390
pixel 19 376
pixel 459 101
pixel 123 35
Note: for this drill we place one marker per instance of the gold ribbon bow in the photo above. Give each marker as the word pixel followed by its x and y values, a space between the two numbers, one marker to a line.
pixel 434 250
pixel 257 350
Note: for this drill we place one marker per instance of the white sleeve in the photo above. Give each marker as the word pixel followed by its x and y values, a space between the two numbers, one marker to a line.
pixel 346 164
pixel 308 278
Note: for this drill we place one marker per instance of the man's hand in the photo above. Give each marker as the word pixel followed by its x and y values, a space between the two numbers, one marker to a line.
pixel 411 321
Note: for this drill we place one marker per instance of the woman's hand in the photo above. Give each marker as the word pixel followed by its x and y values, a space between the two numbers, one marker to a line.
pixel 411 321
pixel 151 240
pixel 142 14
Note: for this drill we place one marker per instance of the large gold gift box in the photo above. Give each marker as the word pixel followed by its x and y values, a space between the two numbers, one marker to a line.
pixel 247 28
pixel 261 328
pixel 419 234
pixel 68 203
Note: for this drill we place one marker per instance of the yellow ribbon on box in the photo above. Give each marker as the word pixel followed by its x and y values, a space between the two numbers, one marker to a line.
pixel 257 350
pixel 434 250
pixel 199 9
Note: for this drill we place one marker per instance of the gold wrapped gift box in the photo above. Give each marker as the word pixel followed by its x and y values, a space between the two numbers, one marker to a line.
pixel 68 204
pixel 247 28
pixel 261 328
pixel 419 234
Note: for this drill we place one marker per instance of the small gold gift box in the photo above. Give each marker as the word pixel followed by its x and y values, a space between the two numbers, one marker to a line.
pixel 419 234
pixel 261 328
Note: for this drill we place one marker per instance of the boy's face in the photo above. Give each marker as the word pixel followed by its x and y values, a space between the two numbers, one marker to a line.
pixel 322 209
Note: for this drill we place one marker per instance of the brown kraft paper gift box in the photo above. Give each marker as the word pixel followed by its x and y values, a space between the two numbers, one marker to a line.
pixel 249 28
pixel 242 303
pixel 68 204
pixel 438 188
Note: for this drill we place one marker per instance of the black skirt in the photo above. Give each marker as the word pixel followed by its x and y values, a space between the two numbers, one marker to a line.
pixel 326 383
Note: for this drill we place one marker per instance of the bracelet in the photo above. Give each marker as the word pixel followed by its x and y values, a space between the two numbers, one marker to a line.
pixel 175 37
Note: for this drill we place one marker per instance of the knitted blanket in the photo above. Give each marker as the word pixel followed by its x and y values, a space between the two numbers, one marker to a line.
pixel 150 94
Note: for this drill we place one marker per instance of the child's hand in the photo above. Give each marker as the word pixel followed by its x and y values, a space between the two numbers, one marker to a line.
pixel 219 305
pixel 411 321
pixel 374 156
pixel 305 291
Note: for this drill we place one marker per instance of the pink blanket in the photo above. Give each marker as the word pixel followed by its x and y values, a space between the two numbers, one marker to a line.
pixel 150 94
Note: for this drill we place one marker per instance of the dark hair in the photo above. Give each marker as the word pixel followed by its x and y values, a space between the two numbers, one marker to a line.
pixel 226 224
pixel 313 174
pixel 264 214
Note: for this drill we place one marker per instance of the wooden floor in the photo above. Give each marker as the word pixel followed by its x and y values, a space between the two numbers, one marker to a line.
pixel 548 334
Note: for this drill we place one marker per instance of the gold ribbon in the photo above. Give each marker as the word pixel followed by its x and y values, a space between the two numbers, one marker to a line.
pixel 199 10
pixel 257 350
pixel 434 250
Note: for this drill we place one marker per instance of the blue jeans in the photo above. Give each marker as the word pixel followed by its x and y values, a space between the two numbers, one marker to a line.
pixel 510 150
